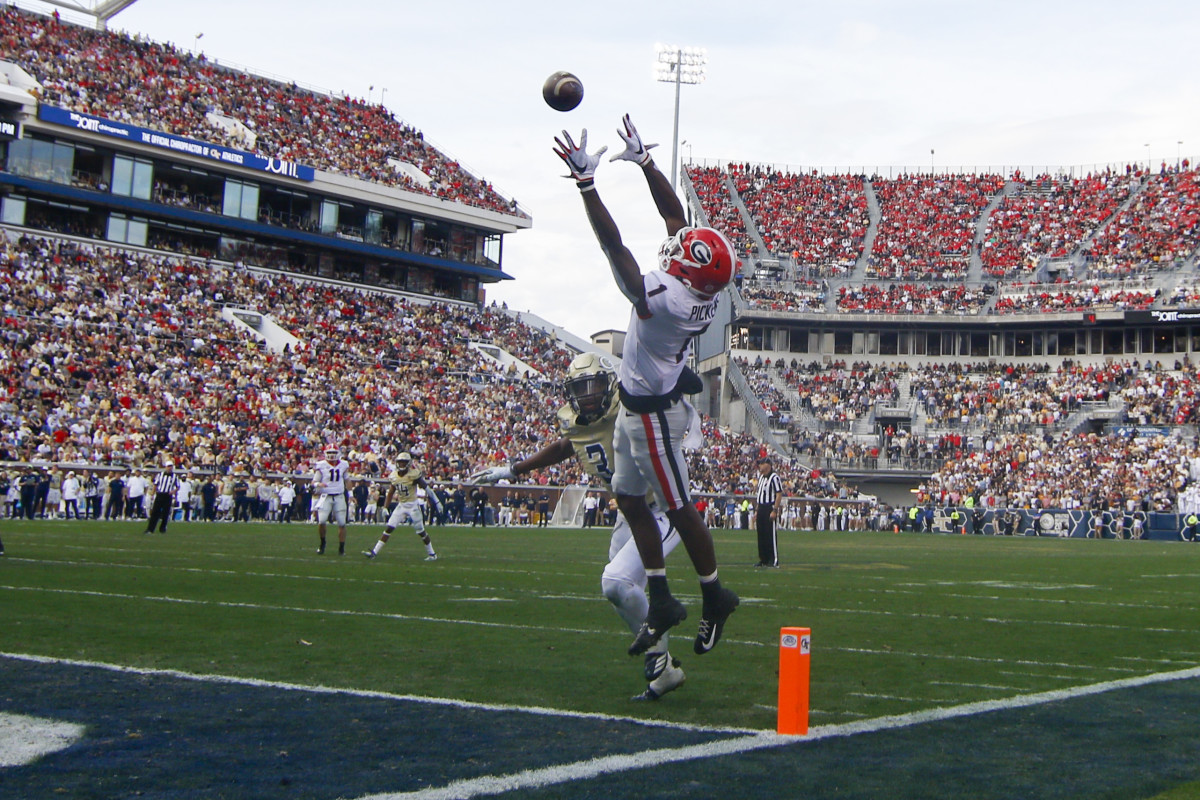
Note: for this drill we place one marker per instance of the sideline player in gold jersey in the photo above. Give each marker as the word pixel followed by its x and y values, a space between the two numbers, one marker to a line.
pixel 586 425
pixel 404 482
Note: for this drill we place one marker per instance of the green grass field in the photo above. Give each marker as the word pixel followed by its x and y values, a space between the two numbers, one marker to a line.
pixel 900 623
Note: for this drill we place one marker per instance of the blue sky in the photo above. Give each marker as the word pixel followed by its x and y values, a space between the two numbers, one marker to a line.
pixel 832 85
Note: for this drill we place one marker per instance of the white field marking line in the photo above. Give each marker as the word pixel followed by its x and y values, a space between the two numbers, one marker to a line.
pixel 872 696
pixel 1022 598
pixel 312 559
pixel 766 602
pixel 25 739
pixel 582 770
pixel 980 659
pixel 515 626
pixel 300 609
pixel 1039 677
pixel 283 575
pixel 593 566
pixel 233 680
pixel 996 620
pixel 990 686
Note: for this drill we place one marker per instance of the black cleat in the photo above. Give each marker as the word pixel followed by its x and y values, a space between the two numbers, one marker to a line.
pixel 659 619
pixel 712 621
pixel 655 664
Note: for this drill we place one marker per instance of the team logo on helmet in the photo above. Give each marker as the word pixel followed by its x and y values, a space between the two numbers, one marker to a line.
pixel 700 252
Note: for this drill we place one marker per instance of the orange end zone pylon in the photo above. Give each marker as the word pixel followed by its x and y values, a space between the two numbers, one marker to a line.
pixel 794 646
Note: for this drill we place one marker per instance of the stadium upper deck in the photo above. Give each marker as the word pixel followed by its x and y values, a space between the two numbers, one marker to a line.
pixel 964 229
pixel 139 143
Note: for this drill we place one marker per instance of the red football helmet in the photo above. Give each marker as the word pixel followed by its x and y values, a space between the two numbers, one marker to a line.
pixel 700 257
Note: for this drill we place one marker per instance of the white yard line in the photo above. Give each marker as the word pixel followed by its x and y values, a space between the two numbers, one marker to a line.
pixel 409 698
pixel 516 626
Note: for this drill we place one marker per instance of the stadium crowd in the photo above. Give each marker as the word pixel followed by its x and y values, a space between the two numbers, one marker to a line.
pixel 928 224
pixel 164 87
pixel 1049 217
pixel 119 358
pixel 801 297
pixel 912 298
pixel 710 186
pixel 819 221
pixel 1087 471
pixel 1072 296
pixel 1160 227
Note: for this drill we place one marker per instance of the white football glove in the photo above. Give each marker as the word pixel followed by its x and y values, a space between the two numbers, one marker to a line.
pixel 576 157
pixel 493 474
pixel 634 151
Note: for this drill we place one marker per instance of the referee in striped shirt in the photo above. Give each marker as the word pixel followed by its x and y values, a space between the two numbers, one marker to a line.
pixel 166 484
pixel 769 489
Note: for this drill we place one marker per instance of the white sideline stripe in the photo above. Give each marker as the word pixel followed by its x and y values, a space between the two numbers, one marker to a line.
pixel 583 770
pixel 258 683
pixel 24 739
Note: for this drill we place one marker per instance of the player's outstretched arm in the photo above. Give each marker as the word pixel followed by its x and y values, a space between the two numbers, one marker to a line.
pixel 582 166
pixel 665 200
pixel 553 453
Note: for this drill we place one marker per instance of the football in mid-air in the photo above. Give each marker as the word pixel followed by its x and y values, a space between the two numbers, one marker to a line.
pixel 562 91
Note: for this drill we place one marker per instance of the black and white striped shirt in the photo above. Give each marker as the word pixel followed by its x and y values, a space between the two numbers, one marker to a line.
pixel 166 482
pixel 769 487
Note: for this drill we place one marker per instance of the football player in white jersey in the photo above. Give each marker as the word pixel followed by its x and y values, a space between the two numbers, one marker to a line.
pixel 405 480
pixel 670 307
pixel 587 423
pixel 329 486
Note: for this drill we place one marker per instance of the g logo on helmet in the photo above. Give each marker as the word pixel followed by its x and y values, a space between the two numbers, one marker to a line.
pixel 701 253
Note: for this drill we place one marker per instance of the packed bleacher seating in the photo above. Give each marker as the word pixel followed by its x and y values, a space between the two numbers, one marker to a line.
pixel 912 298
pixel 1161 227
pixel 114 357
pixel 163 87
pixel 820 221
pixel 798 297
pixel 1072 296
pixel 131 346
pixel 1049 217
pixel 1187 295
pixel 833 393
pixel 928 225
pixel 1086 471
pixel 711 189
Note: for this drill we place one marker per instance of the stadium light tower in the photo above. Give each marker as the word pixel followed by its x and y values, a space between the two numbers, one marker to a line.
pixel 679 65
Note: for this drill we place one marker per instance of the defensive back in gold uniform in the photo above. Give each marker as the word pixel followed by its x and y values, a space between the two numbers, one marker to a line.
pixel 593 442
pixel 405 486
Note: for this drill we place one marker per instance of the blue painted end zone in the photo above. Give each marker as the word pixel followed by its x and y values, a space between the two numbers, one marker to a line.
pixel 157 736
pixel 1132 743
